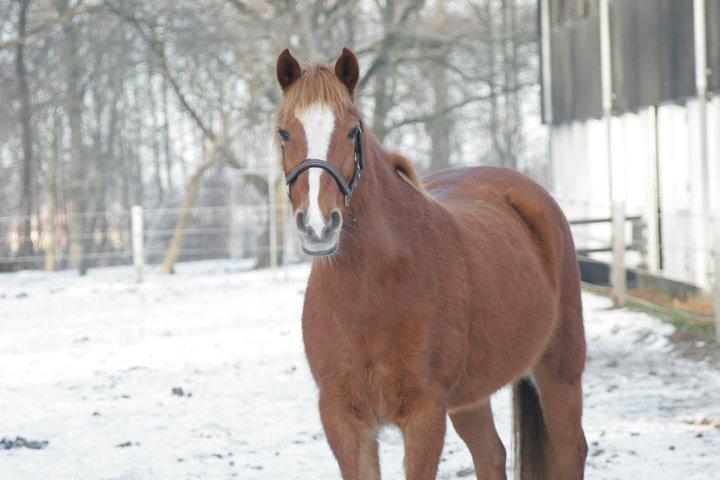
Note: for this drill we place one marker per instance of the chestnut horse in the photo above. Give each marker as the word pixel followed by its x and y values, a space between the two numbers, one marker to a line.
pixel 425 297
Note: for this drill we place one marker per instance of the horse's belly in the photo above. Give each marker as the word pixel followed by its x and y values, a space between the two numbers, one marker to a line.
pixel 504 353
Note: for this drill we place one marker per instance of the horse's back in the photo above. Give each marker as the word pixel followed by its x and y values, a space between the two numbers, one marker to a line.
pixel 500 187
pixel 476 192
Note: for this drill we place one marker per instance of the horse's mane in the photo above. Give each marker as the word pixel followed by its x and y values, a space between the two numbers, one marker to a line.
pixel 318 83
pixel 406 171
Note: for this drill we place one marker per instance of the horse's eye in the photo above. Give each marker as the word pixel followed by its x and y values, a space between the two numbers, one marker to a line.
pixel 284 134
pixel 353 133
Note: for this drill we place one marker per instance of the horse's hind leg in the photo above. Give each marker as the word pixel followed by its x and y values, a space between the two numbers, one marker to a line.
pixel 558 377
pixel 562 411
pixel 477 429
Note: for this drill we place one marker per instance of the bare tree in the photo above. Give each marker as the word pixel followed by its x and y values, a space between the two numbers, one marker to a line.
pixel 26 245
pixel 118 102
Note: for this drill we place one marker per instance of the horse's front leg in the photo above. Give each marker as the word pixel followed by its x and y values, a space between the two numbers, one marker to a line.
pixel 423 431
pixel 353 443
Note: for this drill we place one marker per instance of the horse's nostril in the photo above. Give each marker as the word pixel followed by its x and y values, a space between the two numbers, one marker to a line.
pixel 335 220
pixel 300 221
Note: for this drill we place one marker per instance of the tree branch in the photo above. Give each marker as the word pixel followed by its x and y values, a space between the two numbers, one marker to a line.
pixel 427 117
pixel 55 22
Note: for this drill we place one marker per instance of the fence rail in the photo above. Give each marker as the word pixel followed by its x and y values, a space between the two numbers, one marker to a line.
pixel 107 237
pixel 141 236
pixel 614 241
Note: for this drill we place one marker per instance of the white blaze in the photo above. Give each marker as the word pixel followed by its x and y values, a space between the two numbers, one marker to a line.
pixel 318 121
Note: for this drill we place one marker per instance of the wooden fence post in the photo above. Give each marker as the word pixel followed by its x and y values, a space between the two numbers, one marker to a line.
pixel 618 281
pixel 137 242
pixel 717 289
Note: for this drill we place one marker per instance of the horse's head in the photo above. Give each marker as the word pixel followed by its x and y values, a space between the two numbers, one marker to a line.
pixel 319 130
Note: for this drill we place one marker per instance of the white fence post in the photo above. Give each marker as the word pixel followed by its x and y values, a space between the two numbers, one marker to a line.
pixel 652 228
pixel 717 280
pixel 701 85
pixel 717 296
pixel 137 242
pixel 618 279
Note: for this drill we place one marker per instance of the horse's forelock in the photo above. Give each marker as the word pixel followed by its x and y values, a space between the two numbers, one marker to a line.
pixel 317 84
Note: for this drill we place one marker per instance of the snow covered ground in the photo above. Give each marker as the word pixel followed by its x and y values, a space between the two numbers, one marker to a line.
pixel 89 364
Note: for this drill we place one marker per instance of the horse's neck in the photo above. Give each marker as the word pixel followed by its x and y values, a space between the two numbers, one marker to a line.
pixel 385 207
pixel 382 203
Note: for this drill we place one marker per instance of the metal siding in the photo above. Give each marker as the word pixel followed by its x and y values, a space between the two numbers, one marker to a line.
pixel 648 41
pixel 576 92
pixel 653 52
pixel 586 58
pixel 625 50
pixel 712 11
pixel 653 55
pixel 561 76
pixel 677 48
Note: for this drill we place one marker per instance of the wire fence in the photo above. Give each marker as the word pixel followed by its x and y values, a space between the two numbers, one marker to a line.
pixel 685 249
pixel 97 239
pixel 678 250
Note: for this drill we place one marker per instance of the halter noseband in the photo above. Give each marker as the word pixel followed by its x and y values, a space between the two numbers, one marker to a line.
pixel 345 188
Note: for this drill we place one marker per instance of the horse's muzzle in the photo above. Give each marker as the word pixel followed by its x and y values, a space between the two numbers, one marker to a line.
pixel 319 240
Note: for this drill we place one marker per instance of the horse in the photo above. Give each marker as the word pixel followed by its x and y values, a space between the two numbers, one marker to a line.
pixel 426 296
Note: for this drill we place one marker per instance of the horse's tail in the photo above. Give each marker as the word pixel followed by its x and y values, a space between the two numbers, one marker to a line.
pixel 530 432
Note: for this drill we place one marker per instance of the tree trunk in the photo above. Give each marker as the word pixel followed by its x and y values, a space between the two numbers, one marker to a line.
pixel 166 140
pixel 173 251
pixel 155 138
pixel 100 160
pixel 510 97
pixel 52 191
pixel 78 167
pixel 497 152
pixel 26 245
pixel 440 126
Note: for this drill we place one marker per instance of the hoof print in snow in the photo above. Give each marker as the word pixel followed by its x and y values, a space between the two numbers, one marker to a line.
pixel 20 442
pixel 127 444
pixel 179 392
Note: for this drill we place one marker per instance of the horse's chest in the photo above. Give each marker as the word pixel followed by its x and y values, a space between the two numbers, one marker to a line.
pixel 376 389
pixel 373 382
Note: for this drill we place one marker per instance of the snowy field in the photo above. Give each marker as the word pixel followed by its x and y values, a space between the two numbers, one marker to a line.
pixel 202 376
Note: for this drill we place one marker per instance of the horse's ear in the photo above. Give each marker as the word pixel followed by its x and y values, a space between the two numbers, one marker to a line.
pixel 288 69
pixel 347 69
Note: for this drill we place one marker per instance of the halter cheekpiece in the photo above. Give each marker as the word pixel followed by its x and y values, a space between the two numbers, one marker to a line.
pixel 345 188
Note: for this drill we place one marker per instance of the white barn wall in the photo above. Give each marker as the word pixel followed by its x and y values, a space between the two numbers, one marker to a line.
pixel 633 158
pixel 580 181
pixel 714 155
pixel 686 249
pixel 714 171
pixel 676 162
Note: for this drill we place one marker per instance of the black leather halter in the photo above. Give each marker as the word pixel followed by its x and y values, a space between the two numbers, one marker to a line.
pixel 346 188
